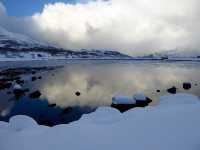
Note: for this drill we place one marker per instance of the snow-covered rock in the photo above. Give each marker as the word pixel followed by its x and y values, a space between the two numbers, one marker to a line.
pixel 140 97
pixel 123 100
pixel 17 87
pixel 21 122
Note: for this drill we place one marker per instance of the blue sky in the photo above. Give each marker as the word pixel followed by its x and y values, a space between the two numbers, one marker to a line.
pixel 28 7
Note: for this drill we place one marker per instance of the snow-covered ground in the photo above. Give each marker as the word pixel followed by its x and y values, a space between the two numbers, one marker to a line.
pixel 171 125
pixel 28 56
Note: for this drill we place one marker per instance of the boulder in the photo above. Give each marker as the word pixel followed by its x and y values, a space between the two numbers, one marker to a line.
pixel 35 94
pixel 187 86
pixel 78 93
pixel 33 79
pixel 18 91
pixel 172 90
pixel 123 103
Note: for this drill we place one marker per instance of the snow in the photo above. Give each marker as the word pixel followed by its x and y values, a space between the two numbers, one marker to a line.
pixel 178 99
pixel 21 122
pixel 123 100
pixel 17 87
pixel 103 115
pixel 25 41
pixel 4 125
pixel 170 127
pixel 140 97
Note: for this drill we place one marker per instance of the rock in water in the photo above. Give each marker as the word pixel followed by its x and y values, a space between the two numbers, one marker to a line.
pixel 35 94
pixel 141 100
pixel 140 97
pixel 123 100
pixel 5 85
pixel 78 93
pixel 172 90
pixel 18 91
pixel 123 103
pixel 52 105
pixel 187 86
pixel 33 79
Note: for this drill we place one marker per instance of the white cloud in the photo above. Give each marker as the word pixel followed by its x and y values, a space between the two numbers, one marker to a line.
pixel 132 26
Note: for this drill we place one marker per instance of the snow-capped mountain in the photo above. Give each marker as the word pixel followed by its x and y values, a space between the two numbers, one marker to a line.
pixel 13 45
pixel 181 53
pixel 175 54
pixel 16 41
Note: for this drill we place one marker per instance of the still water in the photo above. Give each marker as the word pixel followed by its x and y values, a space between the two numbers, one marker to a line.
pixel 98 81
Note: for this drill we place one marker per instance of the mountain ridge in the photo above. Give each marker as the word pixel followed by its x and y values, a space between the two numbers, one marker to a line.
pixel 14 45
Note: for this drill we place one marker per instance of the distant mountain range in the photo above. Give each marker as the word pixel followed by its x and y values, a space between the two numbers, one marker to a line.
pixel 186 54
pixel 17 46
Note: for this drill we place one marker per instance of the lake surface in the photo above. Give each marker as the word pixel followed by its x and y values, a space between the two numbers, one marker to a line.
pixel 98 81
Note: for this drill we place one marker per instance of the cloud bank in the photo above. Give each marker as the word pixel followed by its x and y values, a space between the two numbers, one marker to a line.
pixel 130 26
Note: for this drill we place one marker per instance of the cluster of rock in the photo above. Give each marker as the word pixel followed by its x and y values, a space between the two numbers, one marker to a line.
pixel 124 103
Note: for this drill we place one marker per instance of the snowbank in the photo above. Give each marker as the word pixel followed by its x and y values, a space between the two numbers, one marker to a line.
pixel 20 122
pixel 172 125
pixel 181 98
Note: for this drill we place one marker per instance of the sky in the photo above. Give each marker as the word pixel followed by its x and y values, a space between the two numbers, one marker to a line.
pixel 129 26
pixel 28 7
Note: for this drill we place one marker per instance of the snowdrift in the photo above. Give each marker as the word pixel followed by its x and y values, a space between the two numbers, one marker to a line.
pixel 172 125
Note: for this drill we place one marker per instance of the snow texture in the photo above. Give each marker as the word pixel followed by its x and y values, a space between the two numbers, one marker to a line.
pixel 140 97
pixel 123 100
pixel 172 125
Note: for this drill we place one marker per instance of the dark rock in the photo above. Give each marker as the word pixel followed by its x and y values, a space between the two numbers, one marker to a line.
pixel 33 72
pixel 26 90
pixel 8 85
pixel 18 93
pixel 143 103
pixel 5 85
pixel 40 77
pixel 187 86
pixel 33 79
pixel 172 90
pixel 123 107
pixel 158 91
pixel 78 93
pixel 20 82
pixel 35 94
pixel 52 105
pixel 39 55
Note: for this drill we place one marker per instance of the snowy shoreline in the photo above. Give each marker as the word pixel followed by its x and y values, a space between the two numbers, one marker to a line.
pixel 86 59
pixel 172 124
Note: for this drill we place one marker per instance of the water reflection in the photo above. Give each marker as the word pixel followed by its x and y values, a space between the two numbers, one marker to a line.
pixel 79 87
pixel 97 83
